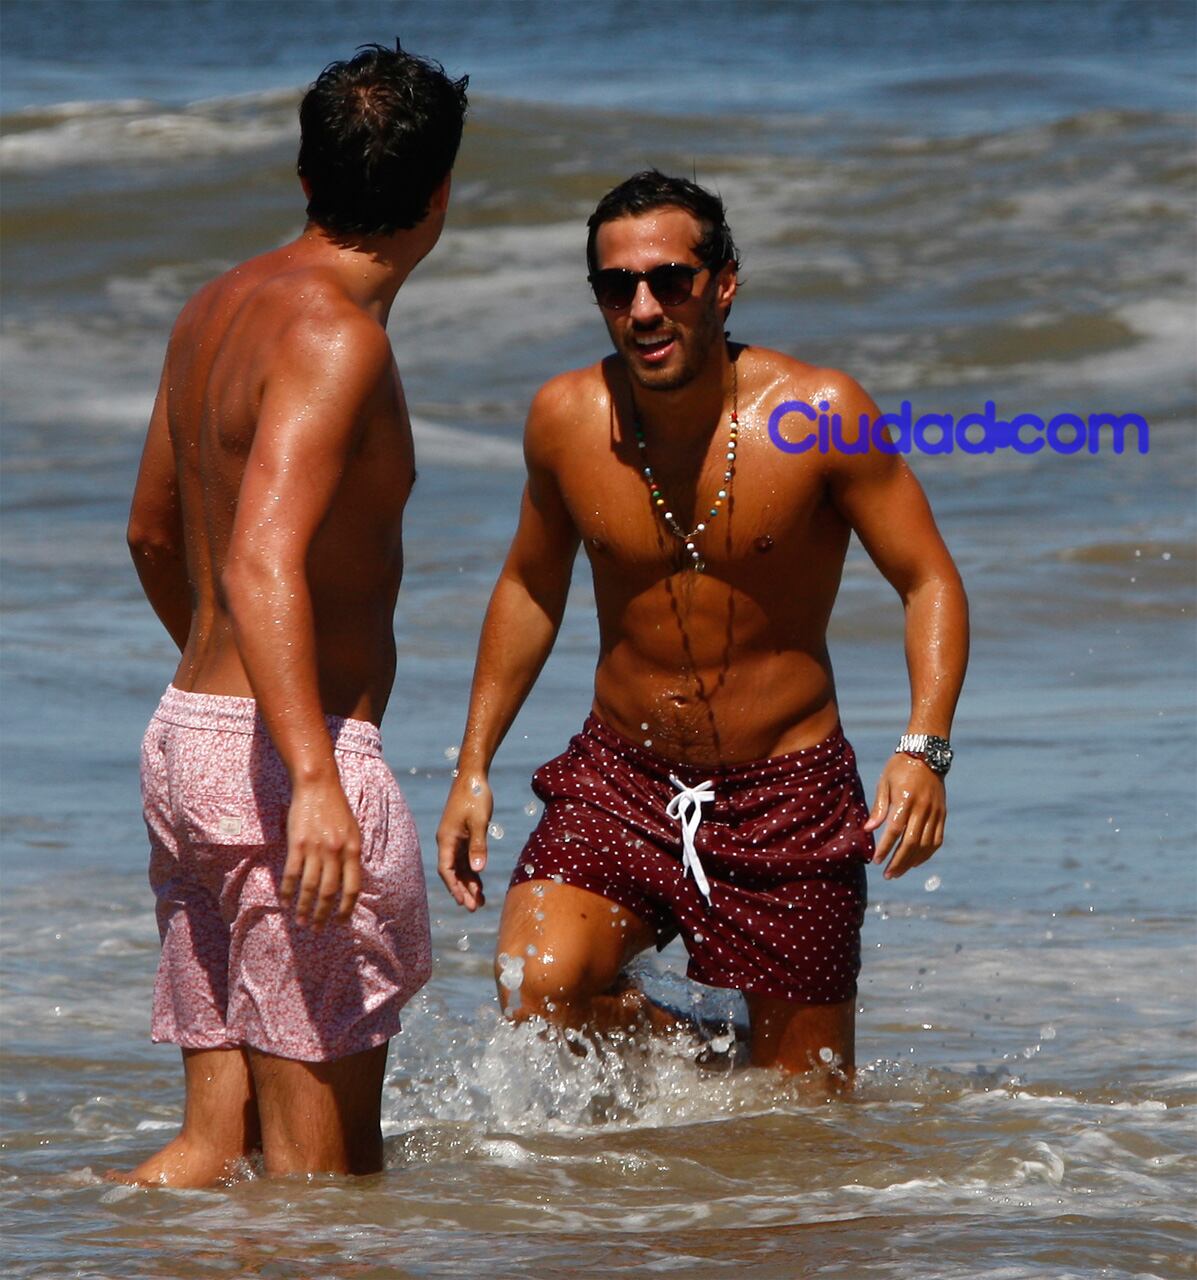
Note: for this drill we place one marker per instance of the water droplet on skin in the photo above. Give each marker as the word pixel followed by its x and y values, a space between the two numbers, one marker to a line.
pixel 511 972
pixel 826 1055
pixel 463 943
pixel 648 742
pixel 932 883
pixel 698 937
pixel 614 910
pixel 495 831
pixel 537 889
pixel 530 950
pixel 539 915
pixel 476 788
pixel 644 725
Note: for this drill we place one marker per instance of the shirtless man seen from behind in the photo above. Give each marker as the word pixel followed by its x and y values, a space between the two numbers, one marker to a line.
pixel 711 792
pixel 266 531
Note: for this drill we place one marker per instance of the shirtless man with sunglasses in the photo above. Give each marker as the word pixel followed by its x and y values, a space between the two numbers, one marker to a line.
pixel 711 791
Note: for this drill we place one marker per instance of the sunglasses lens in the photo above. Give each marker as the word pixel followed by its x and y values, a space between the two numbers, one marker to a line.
pixel 614 288
pixel 671 284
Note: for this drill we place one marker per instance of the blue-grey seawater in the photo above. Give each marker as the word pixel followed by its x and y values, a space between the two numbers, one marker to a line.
pixel 954 202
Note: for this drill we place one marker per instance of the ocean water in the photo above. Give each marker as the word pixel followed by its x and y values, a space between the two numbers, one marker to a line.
pixel 957 202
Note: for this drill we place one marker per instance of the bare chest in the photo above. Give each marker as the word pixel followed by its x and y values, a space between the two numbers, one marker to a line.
pixel 770 509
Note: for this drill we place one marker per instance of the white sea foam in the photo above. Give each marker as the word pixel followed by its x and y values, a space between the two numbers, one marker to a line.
pixel 87 133
pixel 1167 333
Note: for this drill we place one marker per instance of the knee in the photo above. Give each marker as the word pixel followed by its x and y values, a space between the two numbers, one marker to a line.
pixel 544 985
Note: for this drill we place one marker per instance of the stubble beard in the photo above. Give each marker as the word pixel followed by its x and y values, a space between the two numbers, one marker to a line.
pixel 696 351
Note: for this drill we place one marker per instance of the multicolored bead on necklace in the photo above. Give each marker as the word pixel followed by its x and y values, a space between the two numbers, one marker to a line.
pixel 658 498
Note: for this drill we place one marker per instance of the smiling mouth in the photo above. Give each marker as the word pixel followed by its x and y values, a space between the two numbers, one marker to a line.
pixel 652 347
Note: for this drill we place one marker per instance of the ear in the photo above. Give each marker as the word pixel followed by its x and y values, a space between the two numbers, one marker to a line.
pixel 726 283
pixel 439 200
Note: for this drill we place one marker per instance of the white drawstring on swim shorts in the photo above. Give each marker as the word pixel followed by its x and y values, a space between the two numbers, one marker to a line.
pixel 686 807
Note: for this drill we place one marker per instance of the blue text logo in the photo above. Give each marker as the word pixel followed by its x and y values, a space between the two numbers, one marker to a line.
pixel 935 433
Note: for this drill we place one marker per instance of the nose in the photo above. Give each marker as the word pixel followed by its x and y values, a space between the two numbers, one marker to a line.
pixel 645 309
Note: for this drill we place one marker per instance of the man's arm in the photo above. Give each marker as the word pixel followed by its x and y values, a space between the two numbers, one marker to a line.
pixel 311 413
pixel 155 532
pixel 521 625
pixel 880 497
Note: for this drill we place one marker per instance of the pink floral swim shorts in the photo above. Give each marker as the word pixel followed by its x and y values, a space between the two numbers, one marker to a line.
pixel 236 969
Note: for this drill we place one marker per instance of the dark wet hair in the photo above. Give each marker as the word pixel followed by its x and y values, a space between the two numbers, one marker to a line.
pixel 652 189
pixel 379 132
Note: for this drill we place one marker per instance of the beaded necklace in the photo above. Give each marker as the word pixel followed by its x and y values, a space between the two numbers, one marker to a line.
pixel 658 499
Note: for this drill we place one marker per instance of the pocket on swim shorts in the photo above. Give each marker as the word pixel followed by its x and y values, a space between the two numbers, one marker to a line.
pixel 568 776
pixel 236 819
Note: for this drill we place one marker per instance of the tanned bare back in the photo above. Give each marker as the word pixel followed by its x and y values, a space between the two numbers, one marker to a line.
pixel 245 342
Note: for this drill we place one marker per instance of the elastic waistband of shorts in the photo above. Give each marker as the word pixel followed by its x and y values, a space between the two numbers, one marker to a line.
pixel 831 753
pixel 223 713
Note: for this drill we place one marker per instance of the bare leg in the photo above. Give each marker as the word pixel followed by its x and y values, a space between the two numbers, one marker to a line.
pixel 321 1117
pixel 819 1039
pixel 220 1124
pixel 573 945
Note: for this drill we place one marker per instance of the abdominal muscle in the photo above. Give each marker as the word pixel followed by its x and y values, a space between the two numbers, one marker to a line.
pixel 751 707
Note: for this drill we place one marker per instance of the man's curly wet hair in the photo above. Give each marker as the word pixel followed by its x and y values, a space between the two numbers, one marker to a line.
pixel 651 189
pixel 379 133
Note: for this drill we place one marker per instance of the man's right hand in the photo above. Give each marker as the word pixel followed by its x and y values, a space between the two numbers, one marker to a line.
pixel 324 847
pixel 461 840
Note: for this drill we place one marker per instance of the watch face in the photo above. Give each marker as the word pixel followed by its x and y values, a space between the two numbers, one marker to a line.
pixel 939 755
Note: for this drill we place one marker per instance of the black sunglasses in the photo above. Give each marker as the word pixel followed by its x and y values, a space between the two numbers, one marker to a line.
pixel 672 283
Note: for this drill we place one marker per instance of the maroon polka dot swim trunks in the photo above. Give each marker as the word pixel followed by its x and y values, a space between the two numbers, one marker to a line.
pixel 772 899
pixel 236 969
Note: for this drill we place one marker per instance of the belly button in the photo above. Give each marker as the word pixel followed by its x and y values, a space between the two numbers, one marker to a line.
pixel 763 543
pixel 598 544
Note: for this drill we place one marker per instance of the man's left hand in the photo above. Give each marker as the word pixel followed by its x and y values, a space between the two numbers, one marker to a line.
pixel 912 797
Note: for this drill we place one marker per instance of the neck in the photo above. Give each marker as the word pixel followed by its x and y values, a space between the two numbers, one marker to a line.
pixel 694 408
pixel 371 269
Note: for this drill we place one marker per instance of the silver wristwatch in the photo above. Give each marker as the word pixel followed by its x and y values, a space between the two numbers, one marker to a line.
pixel 935 753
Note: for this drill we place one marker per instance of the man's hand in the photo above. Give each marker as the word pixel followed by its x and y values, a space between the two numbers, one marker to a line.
pixel 324 848
pixel 461 840
pixel 912 796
